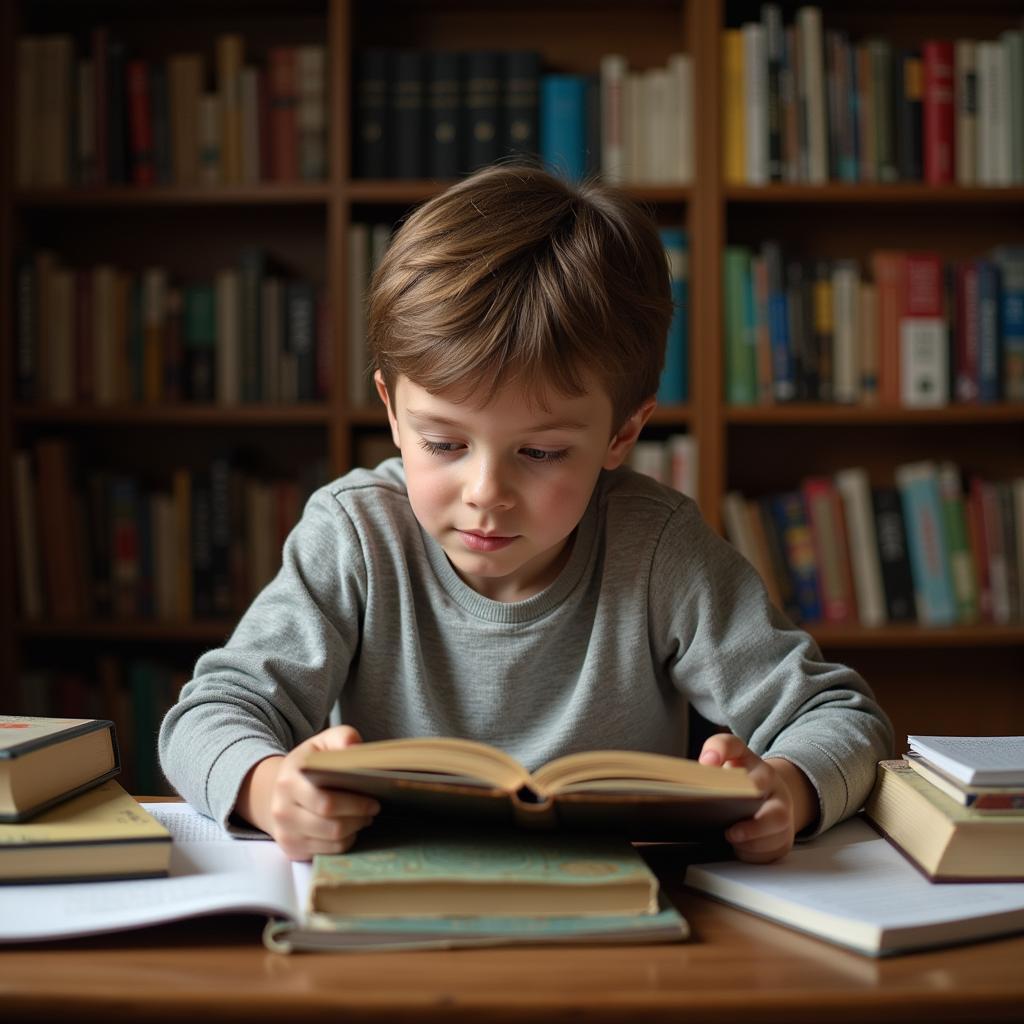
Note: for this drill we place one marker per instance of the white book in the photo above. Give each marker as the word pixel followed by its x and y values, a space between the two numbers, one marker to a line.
pixel 983 134
pixel 228 349
pixel 358 282
pixel 965 93
pixel 755 103
pixel 681 112
pixel 650 458
pixel 613 69
pixel 974 760
pixel 656 134
pixel 812 82
pixel 855 492
pixel 846 331
pixel 683 462
pixel 30 574
pixel 1000 116
pixel 924 362
pixel 636 167
pixel 853 888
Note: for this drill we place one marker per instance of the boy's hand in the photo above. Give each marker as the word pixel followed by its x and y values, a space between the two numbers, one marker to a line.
pixel 303 818
pixel 791 802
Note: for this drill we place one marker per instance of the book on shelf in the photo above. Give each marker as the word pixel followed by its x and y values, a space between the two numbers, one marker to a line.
pixel 99 835
pixel 108 115
pixel 211 872
pixel 974 760
pixel 1005 799
pixel 853 888
pixel 944 839
pixel 672 461
pixel 641 795
pixel 466 872
pixel 807 102
pixel 46 760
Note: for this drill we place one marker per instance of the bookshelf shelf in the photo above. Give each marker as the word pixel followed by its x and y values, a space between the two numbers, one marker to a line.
pixel 128 630
pixel 813 414
pixel 671 415
pixel 300 193
pixel 895 194
pixel 902 636
pixel 176 415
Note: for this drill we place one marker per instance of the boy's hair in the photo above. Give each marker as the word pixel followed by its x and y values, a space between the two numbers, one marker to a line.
pixel 514 276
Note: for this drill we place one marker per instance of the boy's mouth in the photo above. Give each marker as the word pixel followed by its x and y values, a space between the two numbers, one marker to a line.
pixel 476 541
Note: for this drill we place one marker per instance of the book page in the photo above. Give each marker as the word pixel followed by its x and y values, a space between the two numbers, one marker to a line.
pixel 992 759
pixel 210 872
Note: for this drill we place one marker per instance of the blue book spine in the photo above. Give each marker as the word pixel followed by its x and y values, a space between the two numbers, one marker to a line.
pixel 989 375
pixel 792 526
pixel 918 485
pixel 563 125
pixel 675 378
pixel 1011 264
pixel 780 342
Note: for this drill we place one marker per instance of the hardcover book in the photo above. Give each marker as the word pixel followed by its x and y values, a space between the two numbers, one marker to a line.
pixel 46 760
pixel 100 834
pixel 641 795
pixel 1007 799
pixel 947 841
pixel 469 872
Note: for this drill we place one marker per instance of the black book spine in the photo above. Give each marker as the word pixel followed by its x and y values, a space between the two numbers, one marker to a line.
pixel 371 89
pixel 161 122
pixel 771 18
pixel 27 324
pixel 252 267
pixel 890 530
pixel 408 117
pixel 522 106
pixel 483 108
pixel 444 115
pixel 824 329
pixel 300 339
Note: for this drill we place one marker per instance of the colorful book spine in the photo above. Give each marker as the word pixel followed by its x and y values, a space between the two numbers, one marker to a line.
pixel 790 518
pixel 563 121
pixel 675 385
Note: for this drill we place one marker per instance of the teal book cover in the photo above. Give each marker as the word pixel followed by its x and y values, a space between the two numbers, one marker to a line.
pixel 459 872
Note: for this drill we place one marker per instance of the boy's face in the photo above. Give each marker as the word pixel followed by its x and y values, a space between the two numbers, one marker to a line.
pixel 501 488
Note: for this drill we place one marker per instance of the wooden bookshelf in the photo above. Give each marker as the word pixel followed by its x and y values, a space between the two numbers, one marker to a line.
pixel 758 448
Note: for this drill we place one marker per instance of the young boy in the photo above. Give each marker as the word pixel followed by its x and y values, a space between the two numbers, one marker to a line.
pixel 507 580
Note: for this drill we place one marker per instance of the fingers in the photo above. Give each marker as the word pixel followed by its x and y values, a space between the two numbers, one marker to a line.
pixel 724 748
pixel 766 836
pixel 335 738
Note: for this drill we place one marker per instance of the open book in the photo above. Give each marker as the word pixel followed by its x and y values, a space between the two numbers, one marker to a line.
pixel 644 796
pixel 214 873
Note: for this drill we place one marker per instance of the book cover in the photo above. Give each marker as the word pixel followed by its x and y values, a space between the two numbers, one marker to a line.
pixel 975 760
pixel 945 840
pixel 924 357
pixel 463 872
pixel 563 125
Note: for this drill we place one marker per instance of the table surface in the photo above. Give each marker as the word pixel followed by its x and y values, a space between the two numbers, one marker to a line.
pixel 735 967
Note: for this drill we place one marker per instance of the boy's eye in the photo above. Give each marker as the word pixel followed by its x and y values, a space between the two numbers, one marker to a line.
pixel 540 455
pixel 438 447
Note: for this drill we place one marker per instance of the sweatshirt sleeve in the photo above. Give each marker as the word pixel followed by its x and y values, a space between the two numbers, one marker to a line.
pixel 742 664
pixel 275 681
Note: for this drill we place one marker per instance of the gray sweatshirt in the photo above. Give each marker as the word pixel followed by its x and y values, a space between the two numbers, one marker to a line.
pixel 652 610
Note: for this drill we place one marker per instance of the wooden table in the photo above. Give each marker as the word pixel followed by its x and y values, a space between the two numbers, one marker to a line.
pixel 736 968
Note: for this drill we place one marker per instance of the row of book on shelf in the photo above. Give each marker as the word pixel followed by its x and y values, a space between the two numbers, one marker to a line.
pixel 841 549
pixel 916 330
pixel 367 244
pixel 199 545
pixel 803 103
pixel 100 114
pixel 439 114
pixel 101 335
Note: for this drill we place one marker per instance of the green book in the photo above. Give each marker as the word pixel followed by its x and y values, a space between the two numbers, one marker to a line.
pixel 460 872
pixel 740 353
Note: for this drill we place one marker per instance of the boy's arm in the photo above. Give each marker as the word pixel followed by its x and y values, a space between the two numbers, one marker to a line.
pixel 273 684
pixel 741 663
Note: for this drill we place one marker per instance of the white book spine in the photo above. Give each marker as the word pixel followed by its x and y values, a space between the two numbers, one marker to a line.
pixel 636 165
pixel 924 364
pixel 613 70
pixel 755 103
pixel 966 98
pixel 683 462
pixel 649 458
pixel 681 110
pixel 1001 119
pixel 846 321
pixel 229 339
pixel 855 492
pixel 656 134
pixel 813 82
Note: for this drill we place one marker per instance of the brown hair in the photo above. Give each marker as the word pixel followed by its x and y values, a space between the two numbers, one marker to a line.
pixel 513 275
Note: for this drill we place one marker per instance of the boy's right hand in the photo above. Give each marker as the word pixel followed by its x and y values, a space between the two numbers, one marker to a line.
pixel 303 818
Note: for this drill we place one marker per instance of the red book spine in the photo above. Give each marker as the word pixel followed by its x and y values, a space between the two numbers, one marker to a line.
pixel 140 123
pixel 939 114
pixel 284 131
pixel 966 355
pixel 828 533
pixel 889 269
pixel 923 295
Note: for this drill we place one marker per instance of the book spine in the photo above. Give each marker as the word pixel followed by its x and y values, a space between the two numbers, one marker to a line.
pixel 784 384
pixel 924 359
pixel 828 533
pixel 483 108
pixel 855 493
pixel 521 99
pixel 741 368
pixel 613 72
pixel 444 114
pixel 1011 267
pixel 282 70
pixel 989 339
pixel 563 125
pixel 733 110
pixel 674 384
pixel 938 110
pixel 890 530
pixel 966 98
pixel 961 561
pixel 791 521
pixel 373 75
pixel 407 115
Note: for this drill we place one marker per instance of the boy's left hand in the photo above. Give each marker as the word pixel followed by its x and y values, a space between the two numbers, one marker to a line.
pixel 790 805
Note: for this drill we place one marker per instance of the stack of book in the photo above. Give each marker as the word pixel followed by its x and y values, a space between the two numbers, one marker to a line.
pixel 955 806
pixel 62 817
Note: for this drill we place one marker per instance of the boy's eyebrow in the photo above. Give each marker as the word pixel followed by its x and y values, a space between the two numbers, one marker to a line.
pixel 442 421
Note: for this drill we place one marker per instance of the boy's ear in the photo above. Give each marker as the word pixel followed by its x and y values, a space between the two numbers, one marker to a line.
pixel 382 390
pixel 622 443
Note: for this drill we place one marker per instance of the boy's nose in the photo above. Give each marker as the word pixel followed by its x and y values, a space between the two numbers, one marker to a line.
pixel 486 488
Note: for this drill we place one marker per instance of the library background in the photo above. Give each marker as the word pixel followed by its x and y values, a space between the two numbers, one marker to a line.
pixel 193 196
